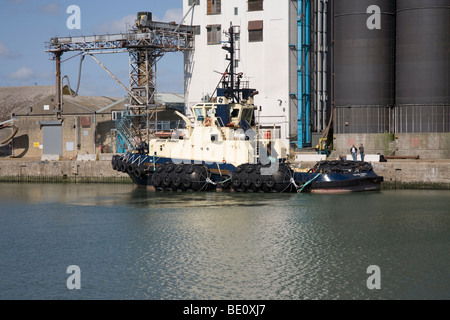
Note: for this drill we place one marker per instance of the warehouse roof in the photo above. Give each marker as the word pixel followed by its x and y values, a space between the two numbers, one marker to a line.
pixel 15 99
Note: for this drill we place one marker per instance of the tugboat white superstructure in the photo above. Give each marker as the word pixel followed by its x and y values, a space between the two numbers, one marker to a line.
pixel 223 147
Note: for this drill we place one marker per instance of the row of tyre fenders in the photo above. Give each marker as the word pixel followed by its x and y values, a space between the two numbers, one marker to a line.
pixel 198 177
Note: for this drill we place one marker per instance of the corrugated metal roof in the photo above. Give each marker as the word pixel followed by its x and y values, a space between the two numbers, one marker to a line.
pixel 169 97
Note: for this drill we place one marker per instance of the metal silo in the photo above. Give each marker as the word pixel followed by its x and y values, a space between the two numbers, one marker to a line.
pixel 422 66
pixel 364 65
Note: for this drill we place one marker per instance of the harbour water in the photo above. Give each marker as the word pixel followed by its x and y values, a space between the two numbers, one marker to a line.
pixel 131 243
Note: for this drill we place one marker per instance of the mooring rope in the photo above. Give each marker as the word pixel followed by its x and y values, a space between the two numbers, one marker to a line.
pixel 300 190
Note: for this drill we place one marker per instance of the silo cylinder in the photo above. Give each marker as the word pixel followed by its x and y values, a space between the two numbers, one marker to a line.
pixel 364 59
pixel 422 66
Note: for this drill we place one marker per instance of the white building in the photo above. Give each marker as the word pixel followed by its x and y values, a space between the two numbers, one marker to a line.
pixel 266 54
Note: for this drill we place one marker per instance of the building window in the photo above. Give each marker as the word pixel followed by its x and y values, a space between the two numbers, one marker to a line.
pixel 214 34
pixel 196 2
pixel 236 11
pixel 214 6
pixel 255 5
pixel 86 122
pixel 255 31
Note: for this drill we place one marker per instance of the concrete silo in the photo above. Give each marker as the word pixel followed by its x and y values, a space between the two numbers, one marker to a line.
pixel 364 74
pixel 422 106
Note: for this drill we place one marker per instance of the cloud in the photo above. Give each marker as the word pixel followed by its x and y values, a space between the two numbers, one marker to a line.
pixel 173 15
pixel 24 73
pixel 4 50
pixel 116 26
pixel 51 8
pixel 17 2
pixel 7 53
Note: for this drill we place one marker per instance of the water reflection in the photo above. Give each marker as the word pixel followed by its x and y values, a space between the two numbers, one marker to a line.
pixel 222 245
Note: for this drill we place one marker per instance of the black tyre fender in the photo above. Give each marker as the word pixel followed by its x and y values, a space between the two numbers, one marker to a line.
pixel 190 168
pixel 249 169
pixel 156 180
pixel 115 164
pixel 236 182
pixel 130 168
pixel 186 182
pixel 176 181
pixel 170 167
pixel 246 182
pixel 138 172
pixel 270 182
pixel 166 182
pixel 258 182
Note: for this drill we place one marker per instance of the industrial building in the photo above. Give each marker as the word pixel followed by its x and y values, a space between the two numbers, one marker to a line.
pixel 85 127
pixel 375 72
pixel 264 31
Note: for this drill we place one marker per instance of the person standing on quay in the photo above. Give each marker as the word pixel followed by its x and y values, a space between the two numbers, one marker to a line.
pixel 361 152
pixel 353 151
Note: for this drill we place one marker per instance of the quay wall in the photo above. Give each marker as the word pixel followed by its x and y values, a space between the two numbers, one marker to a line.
pixel 16 170
pixel 399 174
pixel 414 174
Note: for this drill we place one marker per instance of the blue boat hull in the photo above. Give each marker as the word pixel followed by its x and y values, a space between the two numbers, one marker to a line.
pixel 166 174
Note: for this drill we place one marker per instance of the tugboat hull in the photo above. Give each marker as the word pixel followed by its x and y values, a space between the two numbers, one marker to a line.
pixel 163 174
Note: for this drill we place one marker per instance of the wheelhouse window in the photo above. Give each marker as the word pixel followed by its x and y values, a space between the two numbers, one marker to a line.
pixel 209 112
pixel 247 115
pixel 198 112
pixel 255 5
pixel 214 7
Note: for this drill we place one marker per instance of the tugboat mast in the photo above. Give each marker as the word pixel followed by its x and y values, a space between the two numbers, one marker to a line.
pixel 230 85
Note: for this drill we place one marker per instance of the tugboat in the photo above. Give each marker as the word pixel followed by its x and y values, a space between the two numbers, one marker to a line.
pixel 223 148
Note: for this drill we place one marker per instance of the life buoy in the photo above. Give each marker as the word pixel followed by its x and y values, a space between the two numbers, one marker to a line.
pixel 207 122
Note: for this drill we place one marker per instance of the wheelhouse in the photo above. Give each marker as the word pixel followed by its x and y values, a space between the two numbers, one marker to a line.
pixel 224 115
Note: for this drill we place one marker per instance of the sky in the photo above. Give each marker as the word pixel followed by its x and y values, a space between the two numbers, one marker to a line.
pixel 26 27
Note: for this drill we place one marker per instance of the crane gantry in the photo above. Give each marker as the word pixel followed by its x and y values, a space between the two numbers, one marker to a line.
pixel 146 42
